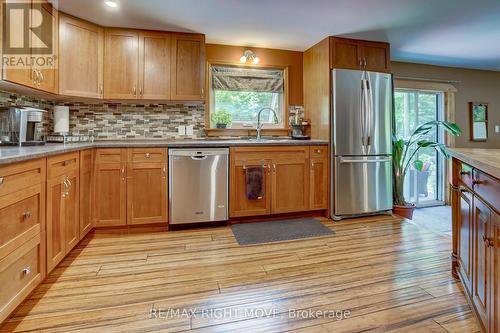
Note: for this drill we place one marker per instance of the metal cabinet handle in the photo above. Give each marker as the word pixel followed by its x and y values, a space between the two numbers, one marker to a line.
pixel 100 89
pixel 140 91
pixel 26 270
pixel 123 173
pixel 35 77
pixel 463 173
pixel 477 182
pixel 274 167
pixel 147 155
pixel 1 181
pixel 26 215
pixel 312 164
pixel 135 91
pixel 41 77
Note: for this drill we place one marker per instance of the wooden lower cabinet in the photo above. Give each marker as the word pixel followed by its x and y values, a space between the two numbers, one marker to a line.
pixel 147 187
pixel 482 260
pixel 495 274
pixel 294 180
pixel 476 239
pixel 464 225
pixel 62 217
pixel 290 182
pixel 131 186
pixel 86 191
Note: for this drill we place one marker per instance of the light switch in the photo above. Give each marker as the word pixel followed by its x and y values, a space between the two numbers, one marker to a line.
pixel 181 130
pixel 189 130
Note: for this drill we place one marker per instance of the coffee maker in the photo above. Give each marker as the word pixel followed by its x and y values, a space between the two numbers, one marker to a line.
pixel 20 126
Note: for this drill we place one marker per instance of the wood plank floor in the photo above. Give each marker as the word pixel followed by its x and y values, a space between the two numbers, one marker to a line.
pixel 373 275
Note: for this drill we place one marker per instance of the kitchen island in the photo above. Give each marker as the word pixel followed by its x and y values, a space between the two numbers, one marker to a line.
pixel 476 230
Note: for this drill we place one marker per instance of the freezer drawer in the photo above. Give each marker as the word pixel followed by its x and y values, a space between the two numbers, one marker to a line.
pixel 362 185
pixel 198 185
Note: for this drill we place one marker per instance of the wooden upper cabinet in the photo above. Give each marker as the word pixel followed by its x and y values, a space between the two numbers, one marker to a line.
pixel 359 54
pixel 154 65
pixel 121 63
pixel 345 53
pixel 290 180
pixel 81 47
pixel 41 75
pixel 377 56
pixel 482 260
pixel 188 67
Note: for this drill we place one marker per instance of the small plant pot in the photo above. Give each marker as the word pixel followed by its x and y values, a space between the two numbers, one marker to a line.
pixel 404 211
pixel 221 125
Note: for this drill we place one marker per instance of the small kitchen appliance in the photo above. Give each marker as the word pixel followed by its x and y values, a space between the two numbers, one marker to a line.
pixel 20 126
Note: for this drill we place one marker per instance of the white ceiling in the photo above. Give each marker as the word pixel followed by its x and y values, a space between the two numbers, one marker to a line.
pixel 461 33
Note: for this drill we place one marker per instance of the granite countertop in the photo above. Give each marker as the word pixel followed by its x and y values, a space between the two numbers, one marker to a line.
pixel 487 160
pixel 16 154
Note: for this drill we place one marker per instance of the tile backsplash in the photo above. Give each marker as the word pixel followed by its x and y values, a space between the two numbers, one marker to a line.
pixel 123 120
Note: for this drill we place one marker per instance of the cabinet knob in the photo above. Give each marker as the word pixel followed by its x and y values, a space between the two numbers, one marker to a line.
pixel 148 155
pixel 26 270
pixel 26 215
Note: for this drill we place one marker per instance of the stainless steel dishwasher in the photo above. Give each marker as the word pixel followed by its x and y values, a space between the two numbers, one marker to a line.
pixel 198 185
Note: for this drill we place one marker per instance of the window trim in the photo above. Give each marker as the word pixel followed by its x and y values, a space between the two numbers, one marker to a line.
pixel 210 103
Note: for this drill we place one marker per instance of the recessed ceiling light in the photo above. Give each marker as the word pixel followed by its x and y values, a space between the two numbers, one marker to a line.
pixel 111 4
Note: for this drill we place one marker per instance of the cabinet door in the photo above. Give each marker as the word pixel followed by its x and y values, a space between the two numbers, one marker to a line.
pixel 482 260
pixel 121 63
pixel 345 53
pixel 86 191
pixel 188 67
pixel 110 191
pixel 154 68
pixel 377 56
pixel 290 182
pixel 495 276
pixel 318 182
pixel 23 75
pixel 465 237
pixel 48 78
pixel 71 215
pixel 56 192
pixel 240 205
pixel 81 47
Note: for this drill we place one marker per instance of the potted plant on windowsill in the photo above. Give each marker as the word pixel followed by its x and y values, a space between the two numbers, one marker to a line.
pixel 403 152
pixel 221 118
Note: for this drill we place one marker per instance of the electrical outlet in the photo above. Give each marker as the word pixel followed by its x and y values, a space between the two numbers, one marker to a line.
pixel 189 130
pixel 497 128
pixel 181 130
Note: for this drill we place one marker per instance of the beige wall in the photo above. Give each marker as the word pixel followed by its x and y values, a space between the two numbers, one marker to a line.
pixel 474 86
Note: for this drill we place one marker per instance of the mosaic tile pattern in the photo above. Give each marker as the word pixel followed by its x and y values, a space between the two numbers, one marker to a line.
pixel 123 120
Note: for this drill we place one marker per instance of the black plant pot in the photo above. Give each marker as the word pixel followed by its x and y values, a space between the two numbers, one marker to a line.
pixel 221 125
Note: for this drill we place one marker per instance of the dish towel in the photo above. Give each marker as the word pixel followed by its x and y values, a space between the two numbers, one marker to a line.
pixel 255 182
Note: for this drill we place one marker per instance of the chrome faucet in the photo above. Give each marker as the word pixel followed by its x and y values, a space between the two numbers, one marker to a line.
pixel 259 125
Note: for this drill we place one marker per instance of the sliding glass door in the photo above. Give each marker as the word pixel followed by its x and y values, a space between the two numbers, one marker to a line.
pixel 413 108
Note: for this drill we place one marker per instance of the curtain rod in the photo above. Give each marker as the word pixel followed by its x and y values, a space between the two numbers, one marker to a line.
pixel 424 79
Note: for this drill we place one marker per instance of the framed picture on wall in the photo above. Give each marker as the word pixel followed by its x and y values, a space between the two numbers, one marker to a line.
pixel 478 119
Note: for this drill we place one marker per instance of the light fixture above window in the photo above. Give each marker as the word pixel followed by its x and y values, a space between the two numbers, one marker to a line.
pixel 249 55
pixel 111 3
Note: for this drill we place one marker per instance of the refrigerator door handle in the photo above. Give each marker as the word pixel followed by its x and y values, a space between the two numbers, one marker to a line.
pixel 369 103
pixel 381 160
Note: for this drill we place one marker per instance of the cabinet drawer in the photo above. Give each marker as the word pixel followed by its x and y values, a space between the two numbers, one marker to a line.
pixel 62 164
pixel 487 188
pixel 465 174
pixel 15 177
pixel 21 216
pixel 318 151
pixel 111 155
pixel 20 272
pixel 140 155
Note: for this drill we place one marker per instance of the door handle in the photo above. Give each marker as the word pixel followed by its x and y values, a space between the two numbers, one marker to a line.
pixel 347 160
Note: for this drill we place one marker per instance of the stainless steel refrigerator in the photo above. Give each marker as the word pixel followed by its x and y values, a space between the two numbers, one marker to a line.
pixel 361 168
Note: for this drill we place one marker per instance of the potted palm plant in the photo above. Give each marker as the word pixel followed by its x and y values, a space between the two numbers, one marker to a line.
pixel 403 152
